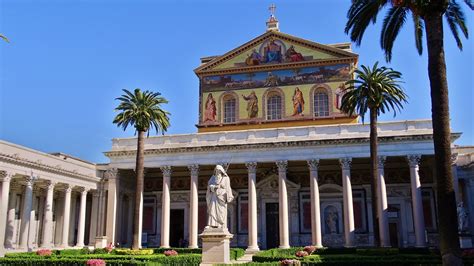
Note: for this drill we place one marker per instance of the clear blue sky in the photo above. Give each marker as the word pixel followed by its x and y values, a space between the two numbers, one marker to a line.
pixel 68 60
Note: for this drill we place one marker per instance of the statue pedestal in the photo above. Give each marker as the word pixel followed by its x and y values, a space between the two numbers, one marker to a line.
pixel 215 246
pixel 100 242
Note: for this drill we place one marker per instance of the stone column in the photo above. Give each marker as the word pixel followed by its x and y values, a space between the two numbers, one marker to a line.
pixel 283 204
pixel 252 207
pixel 193 206
pixel 26 214
pixel 349 227
pixel 382 204
pixel 112 197
pixel 82 219
pixel 454 169
pixel 315 205
pixel 419 220
pixel 10 221
pixel 94 220
pixel 48 216
pixel 66 216
pixel 165 207
pixel 5 179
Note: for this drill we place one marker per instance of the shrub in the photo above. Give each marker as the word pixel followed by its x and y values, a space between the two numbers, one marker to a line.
pixel 95 262
pixel 236 253
pixel 100 251
pixel 118 251
pixel 170 253
pixel 179 250
pixel 44 252
pixel 301 253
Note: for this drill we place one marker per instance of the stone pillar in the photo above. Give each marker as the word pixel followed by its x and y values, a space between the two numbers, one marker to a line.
pixel 193 206
pixel 47 241
pixel 94 220
pixel 382 203
pixel 349 228
pixel 66 216
pixel 454 169
pixel 82 219
pixel 316 239
pixel 252 207
pixel 165 207
pixel 419 220
pixel 5 179
pixel 112 197
pixel 283 204
pixel 10 221
pixel 26 214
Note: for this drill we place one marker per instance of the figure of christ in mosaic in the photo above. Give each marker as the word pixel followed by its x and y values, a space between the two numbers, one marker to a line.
pixel 298 102
pixel 218 195
pixel 252 104
pixel 272 52
pixel 210 111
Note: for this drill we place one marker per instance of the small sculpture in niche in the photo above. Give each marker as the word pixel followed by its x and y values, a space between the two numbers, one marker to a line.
pixel 331 219
pixel 252 104
pixel 298 102
pixel 462 217
pixel 210 109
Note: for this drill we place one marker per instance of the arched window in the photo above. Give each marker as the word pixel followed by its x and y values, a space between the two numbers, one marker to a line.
pixel 229 110
pixel 274 107
pixel 321 104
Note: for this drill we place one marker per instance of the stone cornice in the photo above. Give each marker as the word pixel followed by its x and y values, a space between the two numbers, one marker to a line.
pixel 309 143
pixel 44 167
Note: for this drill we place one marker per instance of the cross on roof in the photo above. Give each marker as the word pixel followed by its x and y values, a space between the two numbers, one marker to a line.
pixel 272 10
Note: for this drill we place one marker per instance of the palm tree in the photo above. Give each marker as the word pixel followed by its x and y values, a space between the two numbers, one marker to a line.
pixel 376 90
pixel 142 110
pixel 427 16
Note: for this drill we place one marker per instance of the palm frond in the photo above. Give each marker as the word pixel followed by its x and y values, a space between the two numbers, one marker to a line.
pixel 4 38
pixel 456 19
pixel 469 3
pixel 419 26
pixel 360 15
pixel 392 23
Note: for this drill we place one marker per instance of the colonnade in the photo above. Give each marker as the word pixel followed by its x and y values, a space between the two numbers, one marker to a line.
pixel 26 235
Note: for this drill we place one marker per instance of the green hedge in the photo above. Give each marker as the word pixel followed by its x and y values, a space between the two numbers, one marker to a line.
pixel 133 251
pixel 179 250
pixel 53 261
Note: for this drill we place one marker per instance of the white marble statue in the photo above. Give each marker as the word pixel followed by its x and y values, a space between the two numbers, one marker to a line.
pixel 462 217
pixel 218 194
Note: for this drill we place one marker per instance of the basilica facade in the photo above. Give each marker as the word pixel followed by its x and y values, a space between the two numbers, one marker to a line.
pixel 269 111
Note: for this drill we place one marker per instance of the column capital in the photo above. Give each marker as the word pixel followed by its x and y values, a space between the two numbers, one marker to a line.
pixel 251 167
pixel 67 188
pixel 50 184
pixel 345 163
pixel 381 161
pixel 282 165
pixel 111 173
pixel 194 169
pixel 83 190
pixel 166 170
pixel 5 176
pixel 30 180
pixel 313 164
pixel 413 160
pixel 454 158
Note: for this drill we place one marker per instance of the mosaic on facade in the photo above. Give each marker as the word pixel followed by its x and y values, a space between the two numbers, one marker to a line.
pixel 297 76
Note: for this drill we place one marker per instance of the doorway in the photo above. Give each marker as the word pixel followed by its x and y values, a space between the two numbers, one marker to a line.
pixel 272 225
pixel 393 232
pixel 177 228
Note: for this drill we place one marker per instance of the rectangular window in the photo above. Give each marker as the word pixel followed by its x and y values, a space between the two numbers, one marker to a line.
pixel 229 111
pixel 274 108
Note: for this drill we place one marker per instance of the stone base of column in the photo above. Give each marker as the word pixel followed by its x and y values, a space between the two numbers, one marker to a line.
pixel 252 250
pixel 100 242
pixel 193 247
pixel 284 247
pixel 465 241
pixel 215 246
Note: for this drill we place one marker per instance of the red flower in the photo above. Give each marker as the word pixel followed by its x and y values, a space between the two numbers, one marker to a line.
pixel 301 253
pixel 44 252
pixel 171 252
pixel 310 249
pixel 95 262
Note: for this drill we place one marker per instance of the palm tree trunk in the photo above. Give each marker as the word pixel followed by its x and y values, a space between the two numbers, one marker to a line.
pixel 139 189
pixel 373 173
pixel 448 224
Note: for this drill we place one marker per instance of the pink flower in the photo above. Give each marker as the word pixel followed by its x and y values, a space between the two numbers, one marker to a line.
pixel 95 262
pixel 289 262
pixel 109 247
pixel 171 252
pixel 44 252
pixel 301 253
pixel 310 249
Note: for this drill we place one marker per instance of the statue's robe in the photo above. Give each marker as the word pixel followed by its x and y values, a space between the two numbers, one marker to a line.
pixel 217 200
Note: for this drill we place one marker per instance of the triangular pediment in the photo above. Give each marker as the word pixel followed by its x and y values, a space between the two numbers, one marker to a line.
pixel 274 48
pixel 271 182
